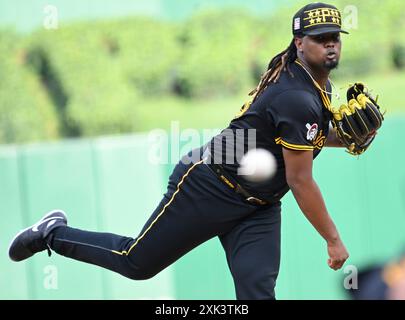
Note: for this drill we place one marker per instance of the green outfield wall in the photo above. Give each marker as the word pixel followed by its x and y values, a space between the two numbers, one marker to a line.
pixel 108 184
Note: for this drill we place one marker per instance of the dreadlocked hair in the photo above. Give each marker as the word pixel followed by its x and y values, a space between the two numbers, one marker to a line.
pixel 278 64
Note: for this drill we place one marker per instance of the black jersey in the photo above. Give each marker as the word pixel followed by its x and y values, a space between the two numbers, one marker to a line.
pixel 290 114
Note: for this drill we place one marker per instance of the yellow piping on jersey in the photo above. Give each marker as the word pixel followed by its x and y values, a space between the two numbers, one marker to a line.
pixel 325 99
pixel 227 181
pixel 293 146
pixel 243 110
pixel 160 213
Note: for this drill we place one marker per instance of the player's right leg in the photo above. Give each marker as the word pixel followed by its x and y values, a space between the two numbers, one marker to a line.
pixel 253 252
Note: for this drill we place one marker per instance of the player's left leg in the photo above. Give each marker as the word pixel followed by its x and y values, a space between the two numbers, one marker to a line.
pixel 253 253
pixel 196 207
pixel 31 240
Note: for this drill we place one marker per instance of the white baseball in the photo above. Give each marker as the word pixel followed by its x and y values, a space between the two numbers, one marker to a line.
pixel 257 165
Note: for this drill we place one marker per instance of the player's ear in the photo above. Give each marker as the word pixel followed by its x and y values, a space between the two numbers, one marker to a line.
pixel 298 43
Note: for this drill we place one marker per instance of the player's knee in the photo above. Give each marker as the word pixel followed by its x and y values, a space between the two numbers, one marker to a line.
pixel 141 273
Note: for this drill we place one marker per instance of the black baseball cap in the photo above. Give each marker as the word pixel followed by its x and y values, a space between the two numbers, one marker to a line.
pixel 317 18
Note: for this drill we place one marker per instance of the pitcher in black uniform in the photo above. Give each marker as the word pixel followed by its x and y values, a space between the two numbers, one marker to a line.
pixel 206 197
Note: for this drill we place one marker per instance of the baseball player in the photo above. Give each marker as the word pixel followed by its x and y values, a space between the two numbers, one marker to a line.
pixel 291 115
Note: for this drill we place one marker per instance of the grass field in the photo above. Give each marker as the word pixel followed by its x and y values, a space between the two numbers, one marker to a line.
pixel 216 113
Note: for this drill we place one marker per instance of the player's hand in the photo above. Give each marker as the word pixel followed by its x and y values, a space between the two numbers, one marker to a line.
pixel 337 254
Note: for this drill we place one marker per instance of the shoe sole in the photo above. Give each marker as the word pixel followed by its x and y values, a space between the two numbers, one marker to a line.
pixel 36 224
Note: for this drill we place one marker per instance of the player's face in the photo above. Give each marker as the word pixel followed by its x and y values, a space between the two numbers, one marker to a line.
pixel 322 50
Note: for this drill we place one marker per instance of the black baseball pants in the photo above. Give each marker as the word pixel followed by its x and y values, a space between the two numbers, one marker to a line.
pixel 196 207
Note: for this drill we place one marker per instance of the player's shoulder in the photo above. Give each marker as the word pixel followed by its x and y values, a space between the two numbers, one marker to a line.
pixel 294 94
pixel 293 89
pixel 290 87
pixel 286 88
pixel 294 98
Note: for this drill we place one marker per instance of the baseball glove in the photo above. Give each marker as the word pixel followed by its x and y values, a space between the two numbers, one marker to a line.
pixel 356 123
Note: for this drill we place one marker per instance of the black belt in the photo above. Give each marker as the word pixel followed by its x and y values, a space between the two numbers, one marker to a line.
pixel 226 178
